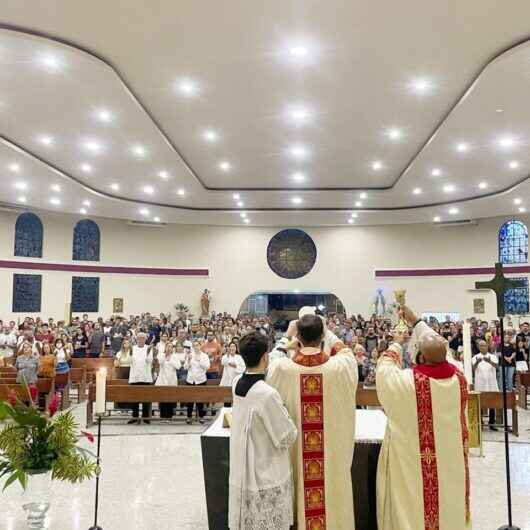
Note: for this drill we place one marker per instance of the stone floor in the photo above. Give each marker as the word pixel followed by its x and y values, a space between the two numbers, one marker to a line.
pixel 152 479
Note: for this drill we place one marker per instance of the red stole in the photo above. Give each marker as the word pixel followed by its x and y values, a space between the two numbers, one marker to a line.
pixel 315 359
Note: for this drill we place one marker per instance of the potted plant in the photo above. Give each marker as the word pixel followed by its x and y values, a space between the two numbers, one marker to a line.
pixel 39 447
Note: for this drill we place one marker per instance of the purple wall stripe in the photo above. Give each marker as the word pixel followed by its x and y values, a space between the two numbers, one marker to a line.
pixel 70 267
pixel 462 271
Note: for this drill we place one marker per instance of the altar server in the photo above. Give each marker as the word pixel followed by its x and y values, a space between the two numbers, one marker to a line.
pixel 260 493
pixel 423 473
pixel 319 393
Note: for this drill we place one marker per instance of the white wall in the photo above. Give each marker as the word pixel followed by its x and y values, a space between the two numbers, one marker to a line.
pixel 236 256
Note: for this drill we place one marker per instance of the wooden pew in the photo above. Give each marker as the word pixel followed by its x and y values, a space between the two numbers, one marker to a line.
pixel 78 379
pixel 494 400
pixel 62 386
pixel 44 385
pixel 6 370
pixel 523 389
pixel 92 365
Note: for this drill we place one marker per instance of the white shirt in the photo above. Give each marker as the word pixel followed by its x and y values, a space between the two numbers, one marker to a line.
pixel 122 359
pixel 141 364
pixel 197 366
pixel 229 372
pixel 485 374
pixel 167 375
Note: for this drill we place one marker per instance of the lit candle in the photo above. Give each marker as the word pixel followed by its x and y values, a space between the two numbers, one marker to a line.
pixel 468 371
pixel 101 383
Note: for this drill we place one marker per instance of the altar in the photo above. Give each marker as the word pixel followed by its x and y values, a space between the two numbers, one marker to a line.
pixel 370 430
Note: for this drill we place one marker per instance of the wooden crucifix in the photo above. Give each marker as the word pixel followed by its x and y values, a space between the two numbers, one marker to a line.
pixel 500 284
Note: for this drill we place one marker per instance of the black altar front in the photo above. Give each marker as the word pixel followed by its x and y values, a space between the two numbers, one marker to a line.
pixel 370 427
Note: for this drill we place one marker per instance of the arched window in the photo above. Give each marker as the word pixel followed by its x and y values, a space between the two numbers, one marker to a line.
pixel 86 241
pixel 28 236
pixel 513 242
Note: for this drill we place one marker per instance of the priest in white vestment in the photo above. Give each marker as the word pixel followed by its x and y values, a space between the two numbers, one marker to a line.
pixel 423 472
pixel 261 482
pixel 319 392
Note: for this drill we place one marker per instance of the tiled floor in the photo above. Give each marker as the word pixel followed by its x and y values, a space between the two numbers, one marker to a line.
pixel 152 479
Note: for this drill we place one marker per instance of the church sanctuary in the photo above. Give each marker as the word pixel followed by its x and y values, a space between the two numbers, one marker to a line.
pixel 264 265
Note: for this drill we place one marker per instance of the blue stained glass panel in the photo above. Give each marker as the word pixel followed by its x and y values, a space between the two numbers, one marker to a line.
pixel 85 294
pixel 86 241
pixel 516 300
pixel 27 289
pixel 28 236
pixel 513 242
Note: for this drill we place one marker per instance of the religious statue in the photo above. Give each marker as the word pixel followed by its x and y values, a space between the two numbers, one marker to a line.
pixel 379 304
pixel 205 303
pixel 400 300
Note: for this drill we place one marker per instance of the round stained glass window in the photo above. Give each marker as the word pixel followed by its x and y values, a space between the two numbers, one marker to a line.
pixel 291 253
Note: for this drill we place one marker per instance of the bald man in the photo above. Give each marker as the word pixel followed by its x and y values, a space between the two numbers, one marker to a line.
pixel 423 473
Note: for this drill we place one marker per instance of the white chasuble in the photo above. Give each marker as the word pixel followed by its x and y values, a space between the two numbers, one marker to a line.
pixel 423 473
pixel 319 393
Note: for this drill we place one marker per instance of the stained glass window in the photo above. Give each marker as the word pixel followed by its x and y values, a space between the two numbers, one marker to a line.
pixel 85 294
pixel 513 242
pixel 86 241
pixel 27 289
pixel 291 253
pixel 28 236
pixel 516 300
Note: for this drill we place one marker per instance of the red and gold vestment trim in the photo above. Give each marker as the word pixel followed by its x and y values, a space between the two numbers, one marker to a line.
pixel 465 435
pixel 308 361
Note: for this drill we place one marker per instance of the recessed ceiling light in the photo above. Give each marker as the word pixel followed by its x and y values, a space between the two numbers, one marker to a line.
pixel 421 85
pixel 209 135
pixel 358 204
pixel 156 219
pixel 139 151
pixel 351 221
pixel 517 200
pixel 377 165
pixel 240 204
pixel 187 87
pixel 243 214
pixel 298 151
pixel 22 199
pixel 144 211
pixel 181 192
pixel 394 134
pixel 298 115
pixel 436 172
pixel 104 115
pixel 83 211
pixel 299 51
pixel 86 203
pixel 522 210
pixel 416 191
pixel 462 147
pixel 507 141
pixel 163 174
pixel 148 189
pixel 298 177
pixel 296 200
pixel 363 195
pixel 20 185
pixel 115 186
pixel 236 196
pixel 448 188
pixel 92 146
pixel 224 165
pixel 46 140
pixel 483 185
pixel 50 62
pixel 246 220
pixel 55 201
pixel 55 187
pixel 453 211
pixel 437 219
pixel 355 215
pixel 514 164
pixel 296 291
pixel 14 167
pixel 87 168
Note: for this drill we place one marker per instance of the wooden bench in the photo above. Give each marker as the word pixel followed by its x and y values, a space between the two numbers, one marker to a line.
pixel 78 380
pixel 91 365
pixel 523 389
pixel 44 385
pixel 494 400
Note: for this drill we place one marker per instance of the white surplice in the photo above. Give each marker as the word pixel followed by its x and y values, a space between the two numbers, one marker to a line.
pixel 260 484
pixel 231 372
pixel 319 393
pixel 423 474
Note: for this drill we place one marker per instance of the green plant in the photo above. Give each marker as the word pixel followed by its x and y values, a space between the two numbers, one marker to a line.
pixel 33 442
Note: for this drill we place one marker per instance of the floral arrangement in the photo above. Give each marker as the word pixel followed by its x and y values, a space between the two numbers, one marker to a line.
pixel 34 442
